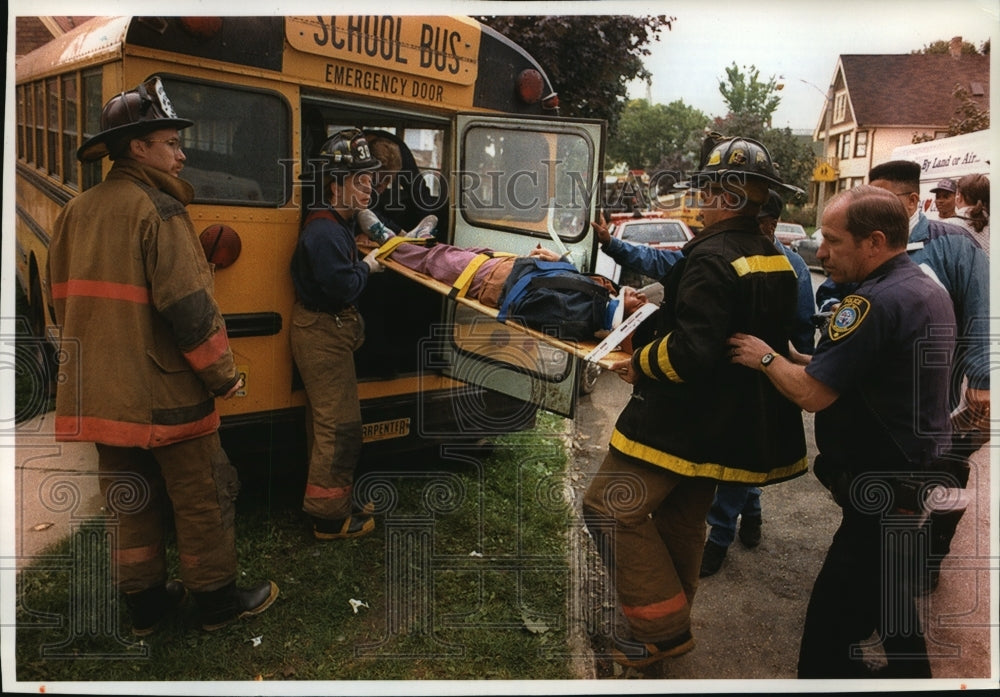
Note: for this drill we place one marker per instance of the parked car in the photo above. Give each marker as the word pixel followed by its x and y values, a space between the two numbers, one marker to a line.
pixel 807 249
pixel 653 230
pixel 789 232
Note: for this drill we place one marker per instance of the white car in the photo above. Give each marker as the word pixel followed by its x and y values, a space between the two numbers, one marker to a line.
pixel 652 230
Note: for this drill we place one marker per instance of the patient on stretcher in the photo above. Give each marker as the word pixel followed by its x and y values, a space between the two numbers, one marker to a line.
pixel 542 290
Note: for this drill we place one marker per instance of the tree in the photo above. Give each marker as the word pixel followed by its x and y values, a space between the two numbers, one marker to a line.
pixel 752 103
pixel 589 59
pixel 658 136
pixel 969 116
pixel 748 96
pixel 943 48
pixel 792 155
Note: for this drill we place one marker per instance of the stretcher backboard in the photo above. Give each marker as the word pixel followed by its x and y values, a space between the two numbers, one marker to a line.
pixel 580 349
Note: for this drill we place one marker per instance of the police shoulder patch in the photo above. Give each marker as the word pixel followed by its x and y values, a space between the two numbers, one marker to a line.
pixel 851 313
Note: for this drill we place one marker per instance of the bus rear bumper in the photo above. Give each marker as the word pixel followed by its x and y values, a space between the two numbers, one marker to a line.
pixel 391 425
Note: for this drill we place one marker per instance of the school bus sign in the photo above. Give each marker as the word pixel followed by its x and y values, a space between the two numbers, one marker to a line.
pixel 439 48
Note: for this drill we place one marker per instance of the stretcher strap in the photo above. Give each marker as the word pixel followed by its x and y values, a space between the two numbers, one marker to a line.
pixel 464 280
pixel 389 246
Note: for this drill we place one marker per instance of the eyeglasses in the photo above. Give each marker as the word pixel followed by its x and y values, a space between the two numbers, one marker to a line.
pixel 172 143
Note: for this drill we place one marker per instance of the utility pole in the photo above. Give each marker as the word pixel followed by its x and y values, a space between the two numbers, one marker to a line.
pixel 825 165
pixel 821 196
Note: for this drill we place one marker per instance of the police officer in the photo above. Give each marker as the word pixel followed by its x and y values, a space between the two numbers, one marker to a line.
pixel 133 290
pixel 879 384
pixel 953 258
pixel 329 276
pixel 695 419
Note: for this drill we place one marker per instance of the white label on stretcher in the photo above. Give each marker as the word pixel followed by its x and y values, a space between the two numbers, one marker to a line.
pixel 621 332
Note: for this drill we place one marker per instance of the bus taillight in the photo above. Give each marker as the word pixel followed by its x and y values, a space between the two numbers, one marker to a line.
pixel 202 27
pixel 530 85
pixel 222 245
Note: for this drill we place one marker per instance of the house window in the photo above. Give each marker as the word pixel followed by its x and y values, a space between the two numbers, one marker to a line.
pixel 845 146
pixel 840 108
pixel 861 144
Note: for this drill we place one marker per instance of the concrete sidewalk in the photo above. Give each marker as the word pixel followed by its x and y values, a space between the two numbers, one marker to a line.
pixel 55 488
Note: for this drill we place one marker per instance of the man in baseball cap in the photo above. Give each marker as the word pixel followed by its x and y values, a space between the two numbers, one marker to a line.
pixel 944 198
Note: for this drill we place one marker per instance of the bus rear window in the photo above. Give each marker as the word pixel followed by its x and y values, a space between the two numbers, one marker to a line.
pixel 238 150
pixel 526 180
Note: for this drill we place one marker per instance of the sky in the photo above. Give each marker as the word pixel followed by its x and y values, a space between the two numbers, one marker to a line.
pixel 797 40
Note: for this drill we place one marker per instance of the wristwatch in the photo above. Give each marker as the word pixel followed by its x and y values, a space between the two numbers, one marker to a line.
pixel 766 360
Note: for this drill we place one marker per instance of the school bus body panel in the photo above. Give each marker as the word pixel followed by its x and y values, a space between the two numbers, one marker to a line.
pixel 433 61
pixel 35 212
pixel 372 71
pixel 98 41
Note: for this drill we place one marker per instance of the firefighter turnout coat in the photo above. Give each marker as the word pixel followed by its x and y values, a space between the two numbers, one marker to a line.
pixel 692 411
pixel 146 346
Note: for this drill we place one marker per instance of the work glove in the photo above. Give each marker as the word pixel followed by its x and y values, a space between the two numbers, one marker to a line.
pixel 372 262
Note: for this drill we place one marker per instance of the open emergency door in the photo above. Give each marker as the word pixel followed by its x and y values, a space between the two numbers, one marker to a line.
pixel 522 182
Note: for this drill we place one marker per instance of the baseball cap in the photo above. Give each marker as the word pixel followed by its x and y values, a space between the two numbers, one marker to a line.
pixel 944 185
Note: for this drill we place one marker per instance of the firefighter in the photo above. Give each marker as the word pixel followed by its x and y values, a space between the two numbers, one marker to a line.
pixel 132 291
pixel 695 419
pixel 329 276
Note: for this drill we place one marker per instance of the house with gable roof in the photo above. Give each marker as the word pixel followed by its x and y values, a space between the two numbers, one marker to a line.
pixel 879 102
pixel 32 32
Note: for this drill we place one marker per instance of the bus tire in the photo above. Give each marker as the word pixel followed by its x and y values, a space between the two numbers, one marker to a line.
pixel 39 350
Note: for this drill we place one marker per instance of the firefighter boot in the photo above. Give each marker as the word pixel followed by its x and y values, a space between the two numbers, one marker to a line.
pixel 711 559
pixel 148 607
pixel 355 525
pixel 228 604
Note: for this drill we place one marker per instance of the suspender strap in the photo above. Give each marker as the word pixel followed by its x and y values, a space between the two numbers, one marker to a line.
pixel 566 282
pixel 326 214
pixel 542 268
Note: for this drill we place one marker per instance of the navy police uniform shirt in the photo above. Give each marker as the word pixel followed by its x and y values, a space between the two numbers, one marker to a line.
pixel 887 352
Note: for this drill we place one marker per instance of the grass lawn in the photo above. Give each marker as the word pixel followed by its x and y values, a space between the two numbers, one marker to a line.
pixel 466 577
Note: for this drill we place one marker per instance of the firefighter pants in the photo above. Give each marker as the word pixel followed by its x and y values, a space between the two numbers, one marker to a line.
pixel 195 480
pixel 323 346
pixel 649 527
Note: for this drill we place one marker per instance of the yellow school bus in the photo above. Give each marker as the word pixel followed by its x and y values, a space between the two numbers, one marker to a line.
pixel 680 205
pixel 483 148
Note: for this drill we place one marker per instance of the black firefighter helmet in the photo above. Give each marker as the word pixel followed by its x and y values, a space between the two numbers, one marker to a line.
pixel 131 114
